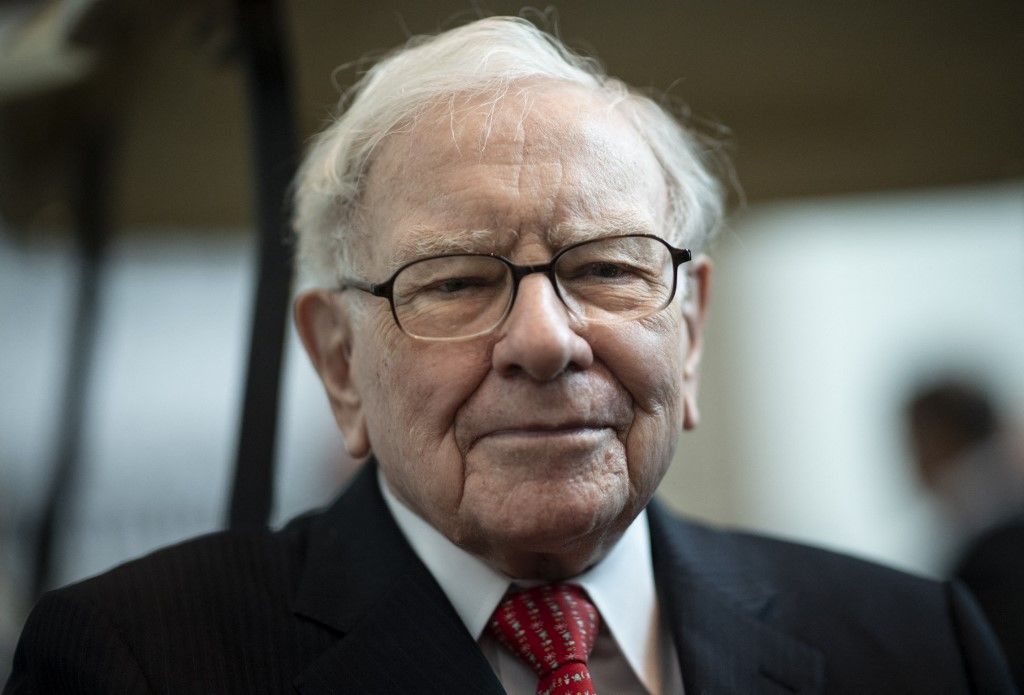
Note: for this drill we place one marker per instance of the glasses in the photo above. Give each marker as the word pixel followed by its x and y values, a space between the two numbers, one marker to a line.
pixel 460 296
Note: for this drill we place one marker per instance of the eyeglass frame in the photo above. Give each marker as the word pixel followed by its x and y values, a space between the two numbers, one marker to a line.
pixel 386 288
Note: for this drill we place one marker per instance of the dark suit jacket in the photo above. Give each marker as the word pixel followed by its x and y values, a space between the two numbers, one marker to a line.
pixel 337 602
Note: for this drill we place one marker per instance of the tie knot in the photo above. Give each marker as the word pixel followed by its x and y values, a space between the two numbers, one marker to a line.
pixel 553 629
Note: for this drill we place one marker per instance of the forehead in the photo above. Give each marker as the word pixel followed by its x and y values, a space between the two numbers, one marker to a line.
pixel 554 163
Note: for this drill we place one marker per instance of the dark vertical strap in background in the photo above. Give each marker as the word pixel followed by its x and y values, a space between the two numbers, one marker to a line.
pixel 274 145
pixel 91 181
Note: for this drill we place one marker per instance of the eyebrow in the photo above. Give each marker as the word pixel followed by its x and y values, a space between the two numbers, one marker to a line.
pixel 566 233
pixel 428 241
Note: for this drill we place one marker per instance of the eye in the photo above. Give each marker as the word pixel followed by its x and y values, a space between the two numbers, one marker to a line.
pixel 598 271
pixel 453 285
pixel 458 286
pixel 608 271
pixel 451 279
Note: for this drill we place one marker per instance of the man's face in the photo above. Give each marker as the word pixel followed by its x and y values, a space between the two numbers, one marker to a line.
pixel 534 446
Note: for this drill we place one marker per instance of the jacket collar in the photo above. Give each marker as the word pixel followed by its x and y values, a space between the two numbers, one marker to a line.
pixel 719 612
pixel 398 632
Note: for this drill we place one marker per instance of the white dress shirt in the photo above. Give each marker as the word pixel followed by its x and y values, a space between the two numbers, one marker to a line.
pixel 634 652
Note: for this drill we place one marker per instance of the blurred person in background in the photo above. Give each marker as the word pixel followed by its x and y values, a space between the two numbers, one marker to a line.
pixel 966 454
pixel 507 317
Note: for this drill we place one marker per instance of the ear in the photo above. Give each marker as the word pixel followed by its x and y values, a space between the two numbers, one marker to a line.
pixel 325 327
pixel 695 304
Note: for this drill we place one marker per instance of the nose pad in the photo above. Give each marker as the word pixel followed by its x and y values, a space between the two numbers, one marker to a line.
pixel 539 337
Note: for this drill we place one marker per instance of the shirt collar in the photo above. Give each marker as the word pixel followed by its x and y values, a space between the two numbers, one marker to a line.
pixel 621 585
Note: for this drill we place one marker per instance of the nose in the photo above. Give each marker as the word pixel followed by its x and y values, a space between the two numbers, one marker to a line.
pixel 538 337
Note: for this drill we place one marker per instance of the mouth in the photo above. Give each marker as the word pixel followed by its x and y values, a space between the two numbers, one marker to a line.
pixel 542 431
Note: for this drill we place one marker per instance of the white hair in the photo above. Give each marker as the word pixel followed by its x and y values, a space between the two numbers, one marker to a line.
pixel 483 57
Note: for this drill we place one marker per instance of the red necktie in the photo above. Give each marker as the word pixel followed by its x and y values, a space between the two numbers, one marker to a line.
pixel 553 629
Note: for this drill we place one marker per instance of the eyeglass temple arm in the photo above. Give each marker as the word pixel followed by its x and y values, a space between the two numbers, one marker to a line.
pixel 680 256
pixel 381 290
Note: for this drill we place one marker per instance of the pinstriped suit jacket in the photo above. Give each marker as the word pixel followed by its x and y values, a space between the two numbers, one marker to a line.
pixel 336 602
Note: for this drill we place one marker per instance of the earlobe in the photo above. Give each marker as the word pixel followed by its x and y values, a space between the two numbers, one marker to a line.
pixel 325 328
pixel 694 314
pixel 691 414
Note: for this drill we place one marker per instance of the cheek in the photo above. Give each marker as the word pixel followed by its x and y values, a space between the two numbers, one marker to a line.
pixel 647 359
pixel 412 391
pixel 435 380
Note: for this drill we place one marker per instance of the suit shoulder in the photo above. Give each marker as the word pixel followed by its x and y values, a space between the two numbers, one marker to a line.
pixel 210 574
pixel 69 646
pixel 873 624
pixel 814 577
pixel 192 617
pixel 796 558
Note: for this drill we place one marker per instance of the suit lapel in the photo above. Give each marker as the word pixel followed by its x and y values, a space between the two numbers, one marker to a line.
pixel 717 612
pixel 398 631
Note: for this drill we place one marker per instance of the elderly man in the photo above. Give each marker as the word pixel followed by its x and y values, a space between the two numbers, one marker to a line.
pixel 508 326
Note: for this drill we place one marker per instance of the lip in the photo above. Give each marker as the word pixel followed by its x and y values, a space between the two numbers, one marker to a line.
pixel 546 430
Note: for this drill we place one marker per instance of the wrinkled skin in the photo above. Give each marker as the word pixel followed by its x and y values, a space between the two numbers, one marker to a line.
pixel 533 447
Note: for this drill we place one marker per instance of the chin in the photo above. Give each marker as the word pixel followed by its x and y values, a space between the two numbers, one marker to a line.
pixel 576 532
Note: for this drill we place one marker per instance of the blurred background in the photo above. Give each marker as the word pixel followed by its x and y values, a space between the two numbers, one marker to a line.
pixel 876 250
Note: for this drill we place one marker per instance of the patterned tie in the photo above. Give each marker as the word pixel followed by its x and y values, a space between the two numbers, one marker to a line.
pixel 552 628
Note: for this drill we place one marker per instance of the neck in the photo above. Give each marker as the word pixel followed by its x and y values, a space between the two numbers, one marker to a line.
pixel 565 563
